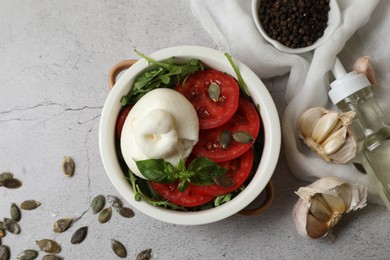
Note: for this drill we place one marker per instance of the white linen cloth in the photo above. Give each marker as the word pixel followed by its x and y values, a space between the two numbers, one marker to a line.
pixel 360 33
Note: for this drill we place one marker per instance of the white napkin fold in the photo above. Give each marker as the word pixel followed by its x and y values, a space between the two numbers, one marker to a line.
pixel 231 25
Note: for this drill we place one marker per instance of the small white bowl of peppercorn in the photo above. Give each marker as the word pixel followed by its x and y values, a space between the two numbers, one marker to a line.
pixel 296 26
pixel 207 186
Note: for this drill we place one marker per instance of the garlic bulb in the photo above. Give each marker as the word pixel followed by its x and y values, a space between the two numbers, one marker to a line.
pixel 363 65
pixel 326 133
pixel 322 203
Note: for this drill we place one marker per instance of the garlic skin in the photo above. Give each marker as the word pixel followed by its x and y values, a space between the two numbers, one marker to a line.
pixel 322 203
pixel 363 65
pixel 326 133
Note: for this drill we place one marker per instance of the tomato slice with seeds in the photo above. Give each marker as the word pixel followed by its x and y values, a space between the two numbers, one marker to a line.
pixel 188 198
pixel 246 119
pixel 211 113
pixel 121 120
pixel 239 171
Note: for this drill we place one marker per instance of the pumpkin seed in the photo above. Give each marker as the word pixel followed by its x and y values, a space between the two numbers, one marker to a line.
pixel 62 224
pixel 243 137
pixel 28 254
pixel 79 235
pixel 98 204
pixel 68 166
pixel 126 212
pixel 144 254
pixel 223 180
pixel 105 215
pixel 214 91
pixel 15 212
pixel 12 183
pixel 49 246
pixel 4 252
pixel 5 176
pixel 118 248
pixel 2 229
pixel 11 226
pixel 224 138
pixel 114 201
pixel 30 204
pixel 52 257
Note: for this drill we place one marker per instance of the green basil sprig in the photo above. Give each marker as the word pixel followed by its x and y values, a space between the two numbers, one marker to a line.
pixel 201 172
pixel 162 75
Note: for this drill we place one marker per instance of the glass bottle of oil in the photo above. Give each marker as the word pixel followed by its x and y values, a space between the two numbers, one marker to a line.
pixel 353 92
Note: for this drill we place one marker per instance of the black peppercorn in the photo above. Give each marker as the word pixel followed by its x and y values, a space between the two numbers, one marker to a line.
pixel 294 23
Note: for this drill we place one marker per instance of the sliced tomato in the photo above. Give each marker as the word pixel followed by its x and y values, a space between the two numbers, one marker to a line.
pixel 246 119
pixel 121 120
pixel 239 171
pixel 211 113
pixel 188 198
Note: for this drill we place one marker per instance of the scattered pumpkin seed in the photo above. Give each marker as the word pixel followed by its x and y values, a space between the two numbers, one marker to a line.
pixel 214 91
pixel 5 176
pixel 224 139
pixel 98 204
pixel 62 224
pixel 243 137
pixel 144 254
pixel 359 167
pixel 4 252
pixel 11 226
pixel 223 180
pixel 105 215
pixel 49 246
pixel 52 257
pixel 28 254
pixel 12 183
pixel 15 212
pixel 79 235
pixel 118 248
pixel 2 229
pixel 68 166
pixel 114 202
pixel 126 212
pixel 30 204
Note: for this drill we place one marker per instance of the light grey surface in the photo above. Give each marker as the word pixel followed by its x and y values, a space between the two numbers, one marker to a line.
pixel 54 60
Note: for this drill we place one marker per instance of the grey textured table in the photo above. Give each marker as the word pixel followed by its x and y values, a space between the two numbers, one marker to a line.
pixel 54 60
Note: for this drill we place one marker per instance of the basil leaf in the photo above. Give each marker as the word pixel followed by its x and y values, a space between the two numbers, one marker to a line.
pixel 222 199
pixel 183 185
pixel 157 170
pixel 241 82
pixel 204 170
pixel 162 75
pixel 181 166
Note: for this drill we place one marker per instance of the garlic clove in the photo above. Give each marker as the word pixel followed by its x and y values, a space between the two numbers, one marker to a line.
pixel 326 133
pixel 345 193
pixel 346 152
pixel 327 196
pixel 363 65
pixel 316 228
pixel 335 202
pixel 319 208
pixel 334 142
pixel 324 126
pixel 309 119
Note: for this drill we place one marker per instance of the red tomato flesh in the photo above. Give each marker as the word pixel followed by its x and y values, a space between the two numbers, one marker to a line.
pixel 211 113
pixel 239 170
pixel 121 120
pixel 245 119
pixel 188 198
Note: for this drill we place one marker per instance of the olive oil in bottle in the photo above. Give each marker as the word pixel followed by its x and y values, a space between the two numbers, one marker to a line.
pixel 353 92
